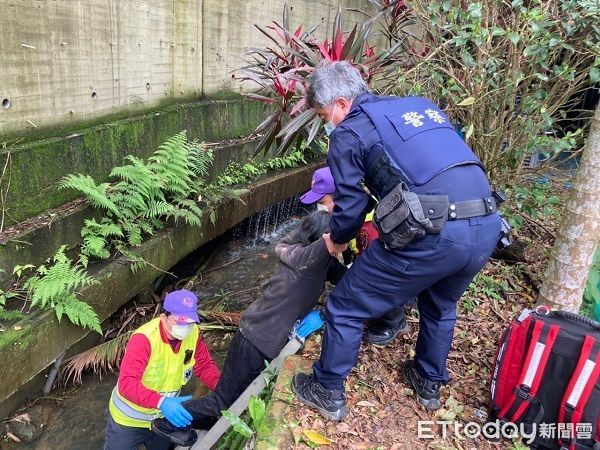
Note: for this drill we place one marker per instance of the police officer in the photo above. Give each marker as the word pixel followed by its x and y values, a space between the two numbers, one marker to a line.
pixel 386 141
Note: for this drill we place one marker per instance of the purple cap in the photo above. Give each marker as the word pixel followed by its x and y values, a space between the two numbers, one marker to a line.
pixel 183 306
pixel 322 184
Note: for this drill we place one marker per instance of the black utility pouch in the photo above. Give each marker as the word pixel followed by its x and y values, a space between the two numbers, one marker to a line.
pixel 505 229
pixel 399 218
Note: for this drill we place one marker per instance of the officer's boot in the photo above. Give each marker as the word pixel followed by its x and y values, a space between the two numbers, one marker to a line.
pixel 427 391
pixel 382 331
pixel 185 437
pixel 331 403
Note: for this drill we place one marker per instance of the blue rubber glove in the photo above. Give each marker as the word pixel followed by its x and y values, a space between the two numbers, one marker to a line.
pixel 311 322
pixel 174 412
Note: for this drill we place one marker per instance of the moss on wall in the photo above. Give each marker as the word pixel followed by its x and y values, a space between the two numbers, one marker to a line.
pixel 36 168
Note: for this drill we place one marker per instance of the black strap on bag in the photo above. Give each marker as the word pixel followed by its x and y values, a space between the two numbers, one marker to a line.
pixel 402 217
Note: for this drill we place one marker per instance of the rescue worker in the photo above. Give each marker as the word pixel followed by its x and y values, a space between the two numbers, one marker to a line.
pixel 159 360
pixel 407 147
pixel 381 331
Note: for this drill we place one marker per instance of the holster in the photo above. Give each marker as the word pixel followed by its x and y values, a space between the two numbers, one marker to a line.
pixel 505 238
pixel 400 219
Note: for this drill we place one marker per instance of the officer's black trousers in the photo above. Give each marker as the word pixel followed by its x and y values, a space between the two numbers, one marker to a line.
pixel 437 267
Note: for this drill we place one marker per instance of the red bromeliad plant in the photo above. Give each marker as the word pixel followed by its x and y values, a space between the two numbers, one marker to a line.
pixel 281 71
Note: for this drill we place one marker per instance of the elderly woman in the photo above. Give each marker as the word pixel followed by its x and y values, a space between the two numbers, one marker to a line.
pixel 290 294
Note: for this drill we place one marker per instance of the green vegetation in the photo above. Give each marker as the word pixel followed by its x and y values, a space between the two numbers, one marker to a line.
pixel 511 75
pixel 536 200
pixel 491 286
pixel 237 173
pixel 245 426
pixel 507 72
pixel 144 198
pixel 54 286
pixel 95 147
pixel 281 73
pixel 591 296
pixel 146 195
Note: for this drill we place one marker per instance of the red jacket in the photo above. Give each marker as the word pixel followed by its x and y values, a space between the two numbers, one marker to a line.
pixel 137 354
pixel 364 236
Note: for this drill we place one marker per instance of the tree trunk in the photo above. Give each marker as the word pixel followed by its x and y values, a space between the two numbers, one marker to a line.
pixel 579 232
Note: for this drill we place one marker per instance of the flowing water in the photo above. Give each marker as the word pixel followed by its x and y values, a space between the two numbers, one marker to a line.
pixel 74 418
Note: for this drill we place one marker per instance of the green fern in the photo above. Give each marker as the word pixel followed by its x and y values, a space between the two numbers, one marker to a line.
pixel 189 211
pixel 199 159
pixel 171 164
pixel 134 234
pixel 78 312
pixel 94 246
pixel 158 208
pixel 96 237
pixel 137 262
pixel 96 194
pixel 144 196
pixel 10 314
pixel 55 286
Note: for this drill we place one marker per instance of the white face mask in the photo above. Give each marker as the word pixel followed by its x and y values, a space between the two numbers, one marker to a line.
pixel 181 331
pixel 322 207
pixel 330 126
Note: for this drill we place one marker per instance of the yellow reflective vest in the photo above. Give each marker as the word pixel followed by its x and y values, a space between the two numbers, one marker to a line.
pixel 166 372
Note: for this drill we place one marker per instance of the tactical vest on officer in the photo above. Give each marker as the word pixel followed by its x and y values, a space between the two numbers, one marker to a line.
pixel 165 373
pixel 419 143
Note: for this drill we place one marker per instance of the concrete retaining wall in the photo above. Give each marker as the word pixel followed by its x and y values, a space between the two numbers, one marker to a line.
pixel 34 169
pixel 65 62
pixel 86 82
pixel 35 245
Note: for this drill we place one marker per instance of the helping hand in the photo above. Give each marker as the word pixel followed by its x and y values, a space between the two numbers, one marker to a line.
pixel 311 322
pixel 332 247
pixel 174 412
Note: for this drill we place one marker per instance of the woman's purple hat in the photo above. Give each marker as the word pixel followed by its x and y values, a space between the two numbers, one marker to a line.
pixel 322 184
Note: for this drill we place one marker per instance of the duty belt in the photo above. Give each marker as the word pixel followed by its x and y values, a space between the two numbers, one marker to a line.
pixel 460 210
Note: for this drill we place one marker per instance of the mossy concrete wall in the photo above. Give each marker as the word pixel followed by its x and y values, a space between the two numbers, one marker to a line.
pixel 33 170
pixel 63 227
pixel 85 83
pixel 37 340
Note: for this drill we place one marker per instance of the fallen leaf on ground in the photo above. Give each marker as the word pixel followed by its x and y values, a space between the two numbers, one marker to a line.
pixel 365 403
pixel 317 438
